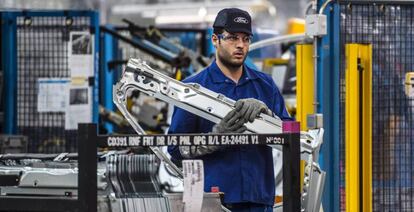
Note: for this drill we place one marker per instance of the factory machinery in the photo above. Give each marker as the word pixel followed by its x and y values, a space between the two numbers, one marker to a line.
pixel 130 181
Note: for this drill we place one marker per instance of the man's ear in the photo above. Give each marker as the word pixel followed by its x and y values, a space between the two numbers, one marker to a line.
pixel 215 40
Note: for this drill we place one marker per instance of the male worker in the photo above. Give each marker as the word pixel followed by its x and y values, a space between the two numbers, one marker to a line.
pixel 243 173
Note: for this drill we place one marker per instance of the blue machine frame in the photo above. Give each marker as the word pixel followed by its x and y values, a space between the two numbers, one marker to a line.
pixel 109 52
pixel 9 58
pixel 109 46
pixel 328 96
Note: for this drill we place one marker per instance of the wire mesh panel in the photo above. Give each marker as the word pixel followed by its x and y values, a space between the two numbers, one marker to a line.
pixel 390 30
pixel 42 52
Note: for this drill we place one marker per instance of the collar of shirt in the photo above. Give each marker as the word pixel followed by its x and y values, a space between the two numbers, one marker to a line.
pixel 218 77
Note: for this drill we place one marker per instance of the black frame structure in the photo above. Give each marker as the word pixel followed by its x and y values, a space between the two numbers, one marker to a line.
pixel 89 141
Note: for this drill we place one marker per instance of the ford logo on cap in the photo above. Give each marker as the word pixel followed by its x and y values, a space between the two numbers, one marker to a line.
pixel 241 20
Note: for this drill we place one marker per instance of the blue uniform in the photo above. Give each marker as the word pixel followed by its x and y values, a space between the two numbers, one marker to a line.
pixel 243 173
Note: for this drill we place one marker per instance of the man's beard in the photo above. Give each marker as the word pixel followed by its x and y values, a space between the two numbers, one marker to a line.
pixel 226 61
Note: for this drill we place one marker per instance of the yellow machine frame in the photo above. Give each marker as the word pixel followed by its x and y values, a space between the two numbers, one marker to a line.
pixel 304 83
pixel 358 127
pixel 304 89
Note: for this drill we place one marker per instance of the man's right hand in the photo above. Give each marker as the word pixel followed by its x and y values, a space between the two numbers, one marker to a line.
pixel 233 122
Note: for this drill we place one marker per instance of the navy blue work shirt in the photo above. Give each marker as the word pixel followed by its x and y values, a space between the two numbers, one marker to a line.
pixel 243 173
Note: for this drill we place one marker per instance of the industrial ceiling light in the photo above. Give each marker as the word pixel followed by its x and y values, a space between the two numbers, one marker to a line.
pixel 194 12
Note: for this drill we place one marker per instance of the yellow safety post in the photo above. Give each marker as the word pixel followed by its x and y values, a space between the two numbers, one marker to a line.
pixel 358 127
pixel 304 83
pixel 304 90
pixel 366 55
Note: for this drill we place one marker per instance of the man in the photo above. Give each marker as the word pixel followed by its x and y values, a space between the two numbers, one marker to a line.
pixel 243 173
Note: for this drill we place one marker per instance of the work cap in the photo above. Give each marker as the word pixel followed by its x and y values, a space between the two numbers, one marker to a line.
pixel 234 20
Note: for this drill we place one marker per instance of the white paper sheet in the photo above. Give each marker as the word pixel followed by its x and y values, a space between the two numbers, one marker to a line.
pixel 80 55
pixel 79 106
pixel 52 94
pixel 193 185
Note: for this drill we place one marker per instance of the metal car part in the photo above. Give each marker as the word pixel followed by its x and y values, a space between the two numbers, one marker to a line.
pixel 314 177
pixel 213 107
pixel 191 97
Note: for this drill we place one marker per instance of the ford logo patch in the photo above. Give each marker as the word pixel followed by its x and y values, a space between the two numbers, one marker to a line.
pixel 241 20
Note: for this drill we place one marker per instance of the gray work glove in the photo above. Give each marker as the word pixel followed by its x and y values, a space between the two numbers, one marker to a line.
pixel 250 108
pixel 233 122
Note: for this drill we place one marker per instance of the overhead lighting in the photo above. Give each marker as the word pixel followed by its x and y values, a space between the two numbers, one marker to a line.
pixel 184 19
pixel 202 12
pixel 194 12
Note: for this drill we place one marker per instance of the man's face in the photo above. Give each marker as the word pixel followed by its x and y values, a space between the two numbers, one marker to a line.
pixel 232 48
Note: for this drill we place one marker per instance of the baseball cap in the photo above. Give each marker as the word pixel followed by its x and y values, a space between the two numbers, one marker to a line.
pixel 234 20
